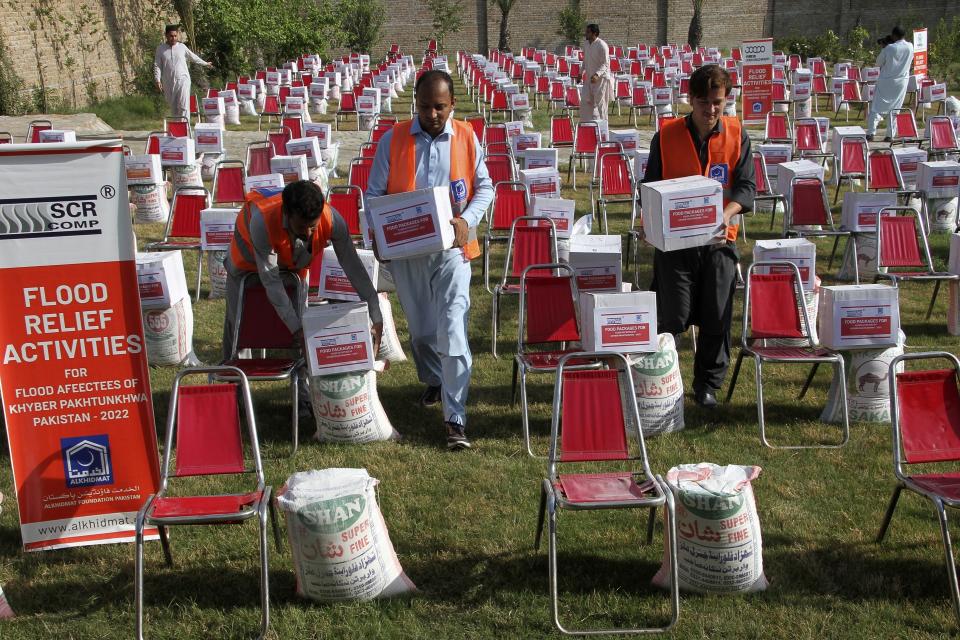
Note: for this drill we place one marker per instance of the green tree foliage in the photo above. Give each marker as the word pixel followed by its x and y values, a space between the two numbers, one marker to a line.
pixel 447 18
pixel 572 22
pixel 360 23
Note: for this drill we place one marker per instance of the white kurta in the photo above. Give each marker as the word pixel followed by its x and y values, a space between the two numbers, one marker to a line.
pixel 170 70
pixel 595 96
pixel 894 62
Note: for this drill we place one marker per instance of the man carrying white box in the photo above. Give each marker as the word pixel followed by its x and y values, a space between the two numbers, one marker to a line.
pixel 282 232
pixel 695 286
pixel 434 150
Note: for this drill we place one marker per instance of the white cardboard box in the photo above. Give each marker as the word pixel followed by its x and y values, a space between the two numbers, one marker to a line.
pixel 559 210
pixel 514 128
pixel 620 322
pixel 860 209
pixel 413 223
pixel 229 97
pixel 216 228
pixel 858 316
pixel 247 91
pixel 682 212
pixel 266 181
pixel 640 159
pixel 595 260
pixel 58 135
pixel 939 179
pixel 909 159
pixel 525 141
pixel 338 338
pixel 177 152
pixel 160 279
pixel 540 159
pixel 334 283
pixel 212 106
pixel 519 101
pixel 368 105
pixel 796 169
pixel 318 130
pixel 629 139
pixel 308 147
pixel 292 168
pixel 543 182
pixel 845 132
pixel 208 138
pixel 143 169
pixel 799 251
pixel 775 154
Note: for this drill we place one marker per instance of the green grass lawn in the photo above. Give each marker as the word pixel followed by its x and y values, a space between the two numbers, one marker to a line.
pixel 463 524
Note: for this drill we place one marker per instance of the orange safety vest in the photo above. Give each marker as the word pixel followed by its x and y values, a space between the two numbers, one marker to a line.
pixel 679 157
pixel 463 161
pixel 272 211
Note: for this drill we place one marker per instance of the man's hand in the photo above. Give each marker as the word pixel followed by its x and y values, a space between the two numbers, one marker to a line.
pixel 594 78
pixel 209 65
pixel 462 232
pixel 159 86
pixel 376 333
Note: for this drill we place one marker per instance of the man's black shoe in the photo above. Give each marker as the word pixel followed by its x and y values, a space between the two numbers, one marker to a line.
pixel 705 399
pixel 430 397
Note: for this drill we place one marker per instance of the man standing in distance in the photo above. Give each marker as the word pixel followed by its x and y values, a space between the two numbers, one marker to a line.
pixel 696 285
pixel 171 73
pixel 434 150
pixel 597 88
pixel 894 62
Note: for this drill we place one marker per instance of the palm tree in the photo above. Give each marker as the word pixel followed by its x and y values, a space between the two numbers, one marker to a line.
pixel 505 6
pixel 695 33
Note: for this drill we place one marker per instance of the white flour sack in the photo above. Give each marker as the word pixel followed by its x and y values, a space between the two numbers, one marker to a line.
pixel 347 408
pixel 390 348
pixel 718 530
pixel 659 387
pixel 341 546
pixel 866 259
pixel 208 163
pixel 218 273
pixel 868 385
pixel 942 215
pixel 186 176
pixel 169 333
pixel 150 202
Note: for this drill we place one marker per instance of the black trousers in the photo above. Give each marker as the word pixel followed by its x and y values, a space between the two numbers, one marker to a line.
pixel 695 287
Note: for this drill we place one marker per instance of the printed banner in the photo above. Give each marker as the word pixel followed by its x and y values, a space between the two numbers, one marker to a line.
pixel 920 52
pixel 73 376
pixel 757 80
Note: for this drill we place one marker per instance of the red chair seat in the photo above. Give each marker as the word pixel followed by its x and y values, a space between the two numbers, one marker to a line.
pixel 263 368
pixel 204 505
pixel 906 274
pixel 548 360
pixel 944 484
pixel 600 487
pixel 790 352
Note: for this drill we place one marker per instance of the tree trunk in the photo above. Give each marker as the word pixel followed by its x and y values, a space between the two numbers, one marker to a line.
pixel 482 41
pixel 503 43
pixel 185 9
pixel 695 33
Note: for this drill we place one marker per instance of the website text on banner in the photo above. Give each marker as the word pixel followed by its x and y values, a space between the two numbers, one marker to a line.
pixel 73 375
pixel 757 79
pixel 920 52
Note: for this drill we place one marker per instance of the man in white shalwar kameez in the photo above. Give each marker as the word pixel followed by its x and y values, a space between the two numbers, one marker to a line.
pixel 597 88
pixel 171 73
pixel 894 62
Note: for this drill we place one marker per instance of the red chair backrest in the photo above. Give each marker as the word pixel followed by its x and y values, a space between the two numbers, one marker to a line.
pixel 348 203
pixel 360 173
pixel 258 160
pixel 615 176
pixel 779 91
pixel 509 203
pixel 572 96
pixel 942 134
pixel 587 138
pixel 550 312
pixel 379 129
pixel 278 140
pixel 561 130
pixel 853 154
pixel 194 105
pixel 556 90
pixel 260 326
pixel 271 105
pixel 347 101
pixel 777 127
pixel 898 242
pixel 186 214
pixel 208 431
pixel 478 123
pixel 773 309
pixel 36 128
pixel 759 174
pixel 904 124
pixel 819 68
pixel 178 129
pixel 500 167
pixel 543 84
pixel 296 127
pixel 929 415
pixel 229 183
pixel 283 93
pixel 153 144
pixel 640 97
pixel 592 424
pixel 531 245
pixel 808 205
pixel 368 150
pixel 851 91
pixel 807 136
pixel 623 88
pixel 494 133
pixel 883 171
pixel 213 93
pixel 499 99
pixel 819 84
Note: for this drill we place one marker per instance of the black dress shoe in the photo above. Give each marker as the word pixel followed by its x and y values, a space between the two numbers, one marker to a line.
pixel 705 399
pixel 431 397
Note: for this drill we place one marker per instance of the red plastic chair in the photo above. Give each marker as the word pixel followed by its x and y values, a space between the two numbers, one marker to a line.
pixel 883 171
pixel 278 138
pixel 34 129
pixel 640 101
pixel 213 93
pixel 348 200
pixel 850 96
pixel 495 134
pixel 571 98
pixel 558 96
pixel 501 167
pixel 277 353
pixel 294 123
pixel 532 241
pixel 943 137
pixel 229 178
pixel 809 215
pixel 902 244
pixel 925 416
pixel 359 174
pixel 622 93
pixel 808 143
pixel 271 108
pixel 902 128
pixel 206 432
pixel 379 130
pixel 6 137
pixel 778 128
pixel 617 185
pixel 851 163
pixel 258 158
pixel 782 314
pixel 183 226
pixel 194 107
pixel 585 141
pixel 510 202
pixel 347 107
pixel 595 425
pixel 152 146
pixel 561 131
pixel 499 104
pixel 542 89
pixel 820 90
pixel 177 127
pixel 765 192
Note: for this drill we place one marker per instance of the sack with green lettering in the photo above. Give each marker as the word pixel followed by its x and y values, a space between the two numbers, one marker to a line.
pixel 346 408
pixel 719 549
pixel 340 543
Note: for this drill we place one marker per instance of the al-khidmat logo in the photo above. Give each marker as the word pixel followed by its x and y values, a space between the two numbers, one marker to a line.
pixel 52 216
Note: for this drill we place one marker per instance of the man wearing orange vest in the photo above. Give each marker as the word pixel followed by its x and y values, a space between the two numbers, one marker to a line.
pixel 282 232
pixel 434 150
pixel 695 286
